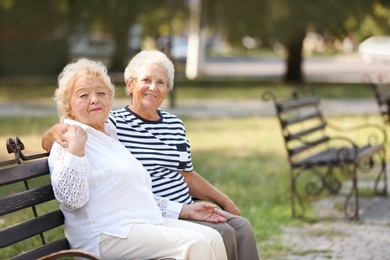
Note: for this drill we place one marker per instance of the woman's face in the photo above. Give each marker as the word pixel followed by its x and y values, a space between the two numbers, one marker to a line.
pixel 149 89
pixel 90 102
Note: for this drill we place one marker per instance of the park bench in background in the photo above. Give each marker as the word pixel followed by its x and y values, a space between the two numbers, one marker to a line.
pixel 29 213
pixel 319 161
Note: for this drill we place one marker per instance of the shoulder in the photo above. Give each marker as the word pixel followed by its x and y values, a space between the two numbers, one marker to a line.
pixel 168 117
pixel 118 112
pixel 119 115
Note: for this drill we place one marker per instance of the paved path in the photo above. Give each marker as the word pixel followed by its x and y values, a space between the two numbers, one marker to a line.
pixel 337 238
pixel 348 68
pixel 204 108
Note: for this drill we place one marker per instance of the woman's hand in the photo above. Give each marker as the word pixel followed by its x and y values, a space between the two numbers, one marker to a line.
pixel 75 137
pixel 230 207
pixel 59 137
pixel 54 134
pixel 202 211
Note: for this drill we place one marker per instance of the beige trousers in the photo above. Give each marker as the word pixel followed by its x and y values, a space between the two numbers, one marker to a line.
pixel 178 240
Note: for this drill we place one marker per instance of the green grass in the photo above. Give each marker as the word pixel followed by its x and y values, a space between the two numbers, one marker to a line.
pixel 242 156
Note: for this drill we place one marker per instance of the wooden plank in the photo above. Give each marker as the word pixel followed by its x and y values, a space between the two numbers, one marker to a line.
pixel 30 228
pixel 26 199
pixel 301 118
pixel 298 135
pixel 23 171
pixel 292 104
pixel 331 156
pixel 306 146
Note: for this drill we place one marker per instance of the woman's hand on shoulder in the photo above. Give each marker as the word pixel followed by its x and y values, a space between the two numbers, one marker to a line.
pixel 75 137
pixel 54 134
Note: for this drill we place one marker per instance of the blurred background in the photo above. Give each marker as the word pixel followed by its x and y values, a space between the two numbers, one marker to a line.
pixel 226 53
pixel 40 37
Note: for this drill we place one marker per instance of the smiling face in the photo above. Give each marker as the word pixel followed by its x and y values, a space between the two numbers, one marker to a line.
pixel 90 102
pixel 148 90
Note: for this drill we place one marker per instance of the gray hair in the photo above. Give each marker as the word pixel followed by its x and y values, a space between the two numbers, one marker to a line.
pixel 149 57
pixel 69 75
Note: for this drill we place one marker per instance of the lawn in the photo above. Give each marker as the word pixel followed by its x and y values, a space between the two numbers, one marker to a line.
pixel 242 156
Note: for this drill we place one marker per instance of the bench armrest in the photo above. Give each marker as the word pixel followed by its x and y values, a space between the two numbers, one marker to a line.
pixel 379 130
pixel 70 253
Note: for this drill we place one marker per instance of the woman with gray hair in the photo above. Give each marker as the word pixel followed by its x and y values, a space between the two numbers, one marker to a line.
pixel 105 192
pixel 158 140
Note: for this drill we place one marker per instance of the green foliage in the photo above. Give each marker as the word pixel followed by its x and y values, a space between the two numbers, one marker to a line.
pixel 25 19
pixel 282 18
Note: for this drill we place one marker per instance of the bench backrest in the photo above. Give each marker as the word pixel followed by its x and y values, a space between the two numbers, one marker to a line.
pixel 382 95
pixel 30 215
pixel 302 124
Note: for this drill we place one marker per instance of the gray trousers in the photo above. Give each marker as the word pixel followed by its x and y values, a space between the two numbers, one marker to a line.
pixel 237 236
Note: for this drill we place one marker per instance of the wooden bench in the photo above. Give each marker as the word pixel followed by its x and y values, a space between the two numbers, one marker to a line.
pixel 319 161
pixel 30 220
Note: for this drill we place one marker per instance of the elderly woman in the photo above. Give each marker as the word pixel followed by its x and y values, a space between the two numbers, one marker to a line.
pixel 158 140
pixel 105 192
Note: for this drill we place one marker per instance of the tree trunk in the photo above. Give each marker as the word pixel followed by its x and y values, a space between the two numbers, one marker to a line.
pixel 121 54
pixel 294 60
pixel 121 33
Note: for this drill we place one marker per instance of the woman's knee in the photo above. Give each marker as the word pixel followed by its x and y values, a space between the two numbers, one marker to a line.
pixel 226 230
pixel 246 226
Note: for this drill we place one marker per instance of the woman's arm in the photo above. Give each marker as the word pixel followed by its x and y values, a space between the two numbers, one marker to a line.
pixel 202 211
pixel 54 134
pixel 68 170
pixel 198 211
pixel 202 189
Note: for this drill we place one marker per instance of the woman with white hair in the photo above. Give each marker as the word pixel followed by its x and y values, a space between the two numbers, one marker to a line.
pixel 158 140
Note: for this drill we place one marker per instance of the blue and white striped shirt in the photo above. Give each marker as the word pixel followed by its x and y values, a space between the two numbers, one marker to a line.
pixel 162 148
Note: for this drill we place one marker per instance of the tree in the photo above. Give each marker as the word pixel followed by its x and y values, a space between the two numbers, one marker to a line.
pixel 31 38
pixel 287 21
pixel 24 19
pixel 45 19
pixel 117 16
pixel 113 17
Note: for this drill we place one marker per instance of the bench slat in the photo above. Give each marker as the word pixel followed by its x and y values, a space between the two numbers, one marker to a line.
pixel 299 119
pixel 297 103
pixel 26 199
pixel 305 132
pixel 330 156
pixel 30 228
pixel 306 146
pixel 23 171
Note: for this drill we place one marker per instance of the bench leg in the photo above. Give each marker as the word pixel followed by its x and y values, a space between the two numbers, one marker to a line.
pixel 293 193
pixel 380 187
pixel 352 199
pixel 297 204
